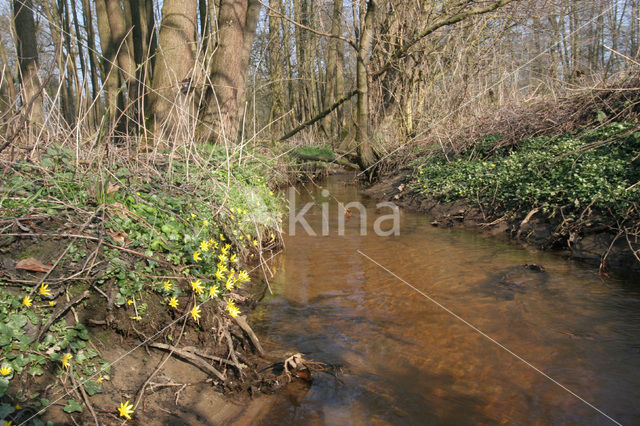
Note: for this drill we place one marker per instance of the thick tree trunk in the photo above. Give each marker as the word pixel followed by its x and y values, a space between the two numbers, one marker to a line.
pixel 27 52
pixel 229 68
pixel 175 57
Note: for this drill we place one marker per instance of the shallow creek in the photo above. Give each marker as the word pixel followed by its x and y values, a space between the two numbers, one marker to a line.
pixel 406 360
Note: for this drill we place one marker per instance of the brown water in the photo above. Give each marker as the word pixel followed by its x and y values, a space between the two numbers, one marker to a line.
pixel 407 361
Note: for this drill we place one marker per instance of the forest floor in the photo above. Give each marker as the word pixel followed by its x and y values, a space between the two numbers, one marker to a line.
pixel 125 289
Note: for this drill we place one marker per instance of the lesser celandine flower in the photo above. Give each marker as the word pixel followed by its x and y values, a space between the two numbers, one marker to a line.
pixel 196 256
pixel 222 258
pixel 5 370
pixel 205 222
pixel 167 285
pixel 214 291
pixel 27 301
pixel 126 410
pixel 230 283
pixel 233 258
pixel 232 309
pixel 220 274
pixel 243 277
pixel 196 286
pixel 66 360
pixel 195 313
pixel 173 302
pixel 44 290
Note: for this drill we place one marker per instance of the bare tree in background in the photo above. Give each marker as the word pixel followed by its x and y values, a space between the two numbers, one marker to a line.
pixel 27 51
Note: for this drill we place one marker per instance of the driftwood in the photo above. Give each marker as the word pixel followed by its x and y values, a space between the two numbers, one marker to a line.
pixel 193 358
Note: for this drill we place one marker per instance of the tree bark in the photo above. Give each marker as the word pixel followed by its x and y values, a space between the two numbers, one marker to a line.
pixel 175 57
pixel 364 149
pixel 110 76
pixel 229 69
pixel 27 51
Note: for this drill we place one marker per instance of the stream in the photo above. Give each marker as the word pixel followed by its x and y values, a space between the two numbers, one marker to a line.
pixel 405 359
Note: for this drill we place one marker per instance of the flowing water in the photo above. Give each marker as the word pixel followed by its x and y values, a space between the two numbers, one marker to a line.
pixel 406 360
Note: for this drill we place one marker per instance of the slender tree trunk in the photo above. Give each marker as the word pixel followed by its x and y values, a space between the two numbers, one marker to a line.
pixel 27 51
pixel 366 155
pixel 7 87
pixel 175 56
pixel 253 13
pixel 121 40
pixel 113 97
pixel 276 66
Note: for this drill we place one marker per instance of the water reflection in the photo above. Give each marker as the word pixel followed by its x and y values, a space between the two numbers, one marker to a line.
pixel 407 361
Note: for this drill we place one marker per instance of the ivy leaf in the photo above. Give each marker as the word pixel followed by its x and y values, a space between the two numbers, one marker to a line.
pixel 73 406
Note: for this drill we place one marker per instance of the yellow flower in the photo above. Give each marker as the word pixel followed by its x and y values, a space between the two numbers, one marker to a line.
pixel 193 215
pixel 493 165
pixel 27 301
pixel 221 237
pixel 271 193
pixel 44 290
pixel 18 407
pixel 137 318
pixel 65 360
pixel 230 283
pixel 173 302
pixel 214 291
pixel 255 243
pixel 232 309
pixel 8 423
pixel 195 313
pixel 243 277
pixel 225 249
pixel 52 303
pixel 223 258
pixel 220 274
pixel 6 370
pixel 205 222
pixel 126 409
pixel 196 256
pixel 130 302
pixel 204 246
pixel 99 379
pixel 233 258
pixel 196 286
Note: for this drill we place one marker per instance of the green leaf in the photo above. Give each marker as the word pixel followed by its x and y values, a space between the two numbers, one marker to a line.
pixel 5 410
pixel 73 406
pixel 92 387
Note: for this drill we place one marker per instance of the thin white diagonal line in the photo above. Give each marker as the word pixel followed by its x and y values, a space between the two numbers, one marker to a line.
pixel 491 339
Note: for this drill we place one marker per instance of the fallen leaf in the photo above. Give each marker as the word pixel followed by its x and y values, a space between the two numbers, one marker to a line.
pixel 33 265
pixel 118 236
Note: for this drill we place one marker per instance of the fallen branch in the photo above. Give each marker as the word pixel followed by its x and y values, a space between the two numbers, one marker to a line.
pixel 320 116
pixel 195 359
pixel 59 312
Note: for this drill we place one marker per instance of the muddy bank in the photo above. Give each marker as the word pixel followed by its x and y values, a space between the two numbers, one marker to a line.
pixel 593 243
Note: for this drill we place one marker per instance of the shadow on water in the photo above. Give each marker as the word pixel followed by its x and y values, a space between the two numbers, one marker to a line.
pixel 407 361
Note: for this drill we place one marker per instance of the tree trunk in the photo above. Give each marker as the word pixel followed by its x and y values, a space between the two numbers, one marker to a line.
pixel 121 40
pixel 27 52
pixel 228 70
pixel 110 76
pixel 366 155
pixel 175 57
